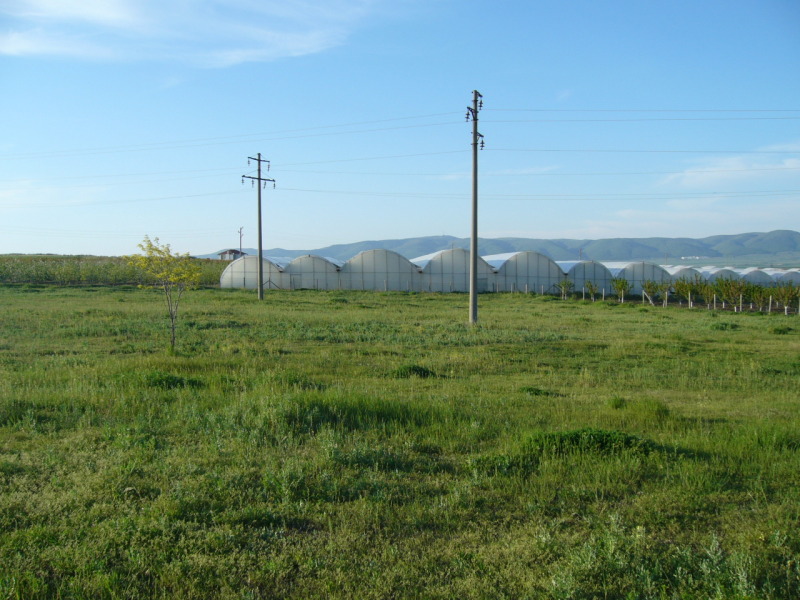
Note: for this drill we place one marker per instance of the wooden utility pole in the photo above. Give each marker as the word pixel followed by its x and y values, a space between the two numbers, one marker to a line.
pixel 262 182
pixel 472 113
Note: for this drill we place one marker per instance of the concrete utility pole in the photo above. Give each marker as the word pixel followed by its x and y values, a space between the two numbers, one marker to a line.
pixel 472 113
pixel 240 239
pixel 262 182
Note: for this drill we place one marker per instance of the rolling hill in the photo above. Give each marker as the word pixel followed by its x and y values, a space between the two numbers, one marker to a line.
pixel 774 248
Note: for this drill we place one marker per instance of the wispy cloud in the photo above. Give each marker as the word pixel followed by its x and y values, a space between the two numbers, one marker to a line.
pixel 213 33
pixel 758 166
pixel 698 216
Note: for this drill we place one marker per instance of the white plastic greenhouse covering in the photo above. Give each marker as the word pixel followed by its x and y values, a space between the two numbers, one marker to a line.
pixel 682 272
pixel 312 272
pixel 581 272
pixel 448 271
pixel 637 273
pixel 381 270
pixel 757 276
pixel 243 273
pixel 711 274
pixel 783 277
pixel 524 272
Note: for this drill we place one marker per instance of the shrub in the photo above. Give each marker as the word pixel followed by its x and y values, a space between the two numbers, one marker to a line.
pixel 168 381
pixel 780 330
pixel 617 402
pixel 407 371
pixel 583 440
pixel 534 391
pixel 296 380
pixel 559 443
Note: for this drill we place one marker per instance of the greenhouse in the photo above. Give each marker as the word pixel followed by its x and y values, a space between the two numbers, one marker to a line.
pixel 711 274
pixel 243 273
pixel 682 272
pixel 380 270
pixel 583 272
pixel 783 276
pixel 637 273
pixel 448 271
pixel 312 272
pixel 756 276
pixel 524 272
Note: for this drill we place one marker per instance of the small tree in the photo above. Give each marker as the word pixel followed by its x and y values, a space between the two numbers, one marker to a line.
pixel 759 295
pixel 591 288
pixel 650 290
pixel 786 293
pixel 683 287
pixel 620 285
pixel 664 288
pixel 565 287
pixel 706 291
pixel 731 290
pixel 173 273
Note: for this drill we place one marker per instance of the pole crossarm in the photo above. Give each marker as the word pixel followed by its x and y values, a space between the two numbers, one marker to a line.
pixel 262 183
pixel 472 114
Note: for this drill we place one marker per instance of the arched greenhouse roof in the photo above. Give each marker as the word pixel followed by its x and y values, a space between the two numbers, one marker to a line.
pixel 243 273
pixel 637 273
pixel 617 267
pixel 790 276
pixel 524 271
pixel 583 272
pixel 711 274
pixel 323 261
pixel 379 253
pixel 498 260
pixel 421 261
pixel 755 275
pixel 381 269
pixel 682 272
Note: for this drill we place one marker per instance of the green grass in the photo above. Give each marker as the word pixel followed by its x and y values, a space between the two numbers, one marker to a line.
pixel 373 445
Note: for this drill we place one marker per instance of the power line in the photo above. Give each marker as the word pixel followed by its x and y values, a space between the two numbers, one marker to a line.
pixel 74 233
pixel 645 119
pixel 540 173
pixel 621 151
pixel 643 195
pixel 113 202
pixel 646 110
pixel 201 142
pixel 391 156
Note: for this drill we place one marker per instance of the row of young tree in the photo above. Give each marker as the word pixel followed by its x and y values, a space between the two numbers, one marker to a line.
pixel 89 270
pixel 722 293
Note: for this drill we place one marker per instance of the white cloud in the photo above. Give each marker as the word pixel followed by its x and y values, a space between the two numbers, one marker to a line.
pixel 699 217
pixel 692 217
pixel 104 12
pixel 203 32
pixel 40 42
pixel 721 171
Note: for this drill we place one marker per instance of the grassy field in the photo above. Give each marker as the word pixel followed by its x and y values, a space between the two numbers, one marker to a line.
pixel 366 445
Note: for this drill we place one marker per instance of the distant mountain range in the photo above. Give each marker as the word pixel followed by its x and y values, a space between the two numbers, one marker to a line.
pixel 780 248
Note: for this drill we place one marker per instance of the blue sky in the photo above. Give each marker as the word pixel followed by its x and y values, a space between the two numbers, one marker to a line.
pixel 125 118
